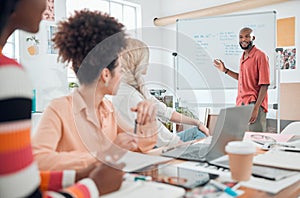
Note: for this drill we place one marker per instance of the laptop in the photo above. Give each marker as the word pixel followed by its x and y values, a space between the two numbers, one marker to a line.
pixel 231 125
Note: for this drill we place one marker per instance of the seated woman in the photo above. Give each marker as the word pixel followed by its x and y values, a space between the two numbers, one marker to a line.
pixel 80 128
pixel 134 60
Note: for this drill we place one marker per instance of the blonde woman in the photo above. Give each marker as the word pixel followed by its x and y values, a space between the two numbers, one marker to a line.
pixel 132 90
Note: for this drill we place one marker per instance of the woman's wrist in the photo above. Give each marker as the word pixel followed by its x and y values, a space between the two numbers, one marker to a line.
pixel 199 123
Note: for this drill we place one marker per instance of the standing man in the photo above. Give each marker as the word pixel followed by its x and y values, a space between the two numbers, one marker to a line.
pixel 253 79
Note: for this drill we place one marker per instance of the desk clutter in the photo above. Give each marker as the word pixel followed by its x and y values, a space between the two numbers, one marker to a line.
pixel 156 176
pixel 280 165
pixel 283 150
pixel 268 185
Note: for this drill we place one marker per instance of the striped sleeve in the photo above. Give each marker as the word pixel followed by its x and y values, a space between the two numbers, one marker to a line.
pixel 56 180
pixel 17 166
pixel 18 169
pixel 85 188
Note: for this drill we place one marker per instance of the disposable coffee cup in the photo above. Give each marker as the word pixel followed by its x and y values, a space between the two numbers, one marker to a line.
pixel 240 159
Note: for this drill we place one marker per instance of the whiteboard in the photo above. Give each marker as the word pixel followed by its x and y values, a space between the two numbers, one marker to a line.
pixel 201 40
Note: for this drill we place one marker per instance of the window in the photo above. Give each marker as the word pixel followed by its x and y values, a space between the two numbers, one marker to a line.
pixel 10 48
pixel 126 12
pixel 73 5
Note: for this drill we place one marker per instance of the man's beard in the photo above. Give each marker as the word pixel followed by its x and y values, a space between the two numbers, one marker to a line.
pixel 248 46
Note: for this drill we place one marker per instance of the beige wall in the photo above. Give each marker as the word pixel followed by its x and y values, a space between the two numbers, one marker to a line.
pixel 290 101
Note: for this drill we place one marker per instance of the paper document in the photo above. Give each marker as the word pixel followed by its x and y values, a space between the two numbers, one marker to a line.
pixel 271 186
pixel 265 172
pixel 280 159
pixel 135 161
pixel 144 189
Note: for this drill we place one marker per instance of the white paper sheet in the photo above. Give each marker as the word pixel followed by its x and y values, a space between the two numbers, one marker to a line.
pixel 146 190
pixel 135 161
pixel 271 186
pixel 280 159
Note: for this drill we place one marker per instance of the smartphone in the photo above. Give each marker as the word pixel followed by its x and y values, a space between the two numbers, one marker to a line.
pixel 192 178
pixel 188 178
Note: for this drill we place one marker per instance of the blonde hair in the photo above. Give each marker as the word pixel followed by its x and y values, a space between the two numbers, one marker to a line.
pixel 134 60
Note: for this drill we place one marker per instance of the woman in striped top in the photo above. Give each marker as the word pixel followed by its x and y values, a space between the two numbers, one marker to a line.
pixel 19 175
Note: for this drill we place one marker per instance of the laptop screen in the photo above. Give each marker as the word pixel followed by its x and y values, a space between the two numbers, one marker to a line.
pixel 231 125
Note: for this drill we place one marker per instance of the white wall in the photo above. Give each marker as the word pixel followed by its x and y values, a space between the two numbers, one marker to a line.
pixel 156 8
pixel 48 77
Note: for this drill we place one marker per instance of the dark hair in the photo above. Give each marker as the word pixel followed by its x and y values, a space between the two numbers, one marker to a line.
pixel 91 41
pixel 6 8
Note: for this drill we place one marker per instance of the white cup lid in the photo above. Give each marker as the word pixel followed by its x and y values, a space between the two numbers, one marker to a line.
pixel 239 147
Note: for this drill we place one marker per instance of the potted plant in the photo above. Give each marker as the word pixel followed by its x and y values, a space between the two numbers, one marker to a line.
pixel 33 48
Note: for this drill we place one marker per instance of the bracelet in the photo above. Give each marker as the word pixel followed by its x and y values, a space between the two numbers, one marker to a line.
pixel 226 71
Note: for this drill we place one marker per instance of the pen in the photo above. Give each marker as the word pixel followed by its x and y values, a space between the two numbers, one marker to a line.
pixel 290 149
pixel 135 125
pixel 142 178
pixel 286 145
pixel 223 187
pixel 170 149
pixel 136 177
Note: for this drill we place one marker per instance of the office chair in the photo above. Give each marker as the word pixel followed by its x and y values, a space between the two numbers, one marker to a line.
pixel 292 128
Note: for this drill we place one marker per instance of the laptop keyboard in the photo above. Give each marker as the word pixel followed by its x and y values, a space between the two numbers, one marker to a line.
pixel 194 155
pixel 193 152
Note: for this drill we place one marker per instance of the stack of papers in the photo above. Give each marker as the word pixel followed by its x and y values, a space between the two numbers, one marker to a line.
pixel 135 161
pixel 271 186
pixel 280 159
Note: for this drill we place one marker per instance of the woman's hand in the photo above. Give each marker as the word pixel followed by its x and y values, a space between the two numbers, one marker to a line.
pixel 126 141
pixel 146 128
pixel 146 111
pixel 203 128
pixel 107 178
pixel 84 172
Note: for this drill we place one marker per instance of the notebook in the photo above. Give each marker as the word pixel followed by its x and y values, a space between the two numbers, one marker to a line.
pixel 265 172
pixel 280 159
pixel 231 125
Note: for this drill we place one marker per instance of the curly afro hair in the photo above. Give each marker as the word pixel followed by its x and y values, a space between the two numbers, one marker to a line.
pixel 91 41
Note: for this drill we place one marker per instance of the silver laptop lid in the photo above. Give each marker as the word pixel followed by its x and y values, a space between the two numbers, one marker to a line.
pixel 231 125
